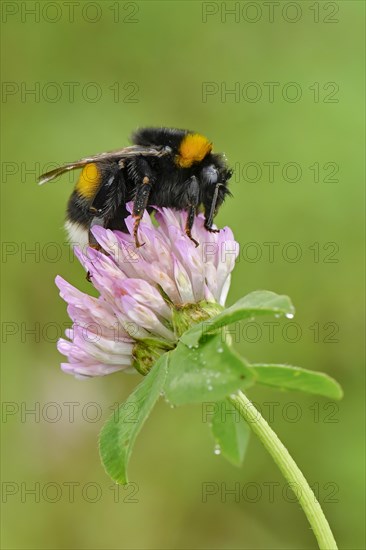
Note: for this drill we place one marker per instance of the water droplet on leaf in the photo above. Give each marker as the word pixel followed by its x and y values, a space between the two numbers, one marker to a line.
pixel 217 450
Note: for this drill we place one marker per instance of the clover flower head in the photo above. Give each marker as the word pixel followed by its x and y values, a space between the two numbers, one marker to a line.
pixel 148 296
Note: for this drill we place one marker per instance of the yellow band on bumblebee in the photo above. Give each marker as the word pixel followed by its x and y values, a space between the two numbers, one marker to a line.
pixel 89 181
pixel 194 148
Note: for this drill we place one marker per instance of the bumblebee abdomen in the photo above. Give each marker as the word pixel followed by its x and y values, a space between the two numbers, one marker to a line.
pixel 77 234
pixel 78 209
pixel 89 181
pixel 98 197
pixel 78 219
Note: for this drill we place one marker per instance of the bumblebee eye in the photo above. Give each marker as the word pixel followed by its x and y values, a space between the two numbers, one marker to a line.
pixel 210 174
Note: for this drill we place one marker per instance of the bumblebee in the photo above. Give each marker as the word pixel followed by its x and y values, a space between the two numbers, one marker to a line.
pixel 165 167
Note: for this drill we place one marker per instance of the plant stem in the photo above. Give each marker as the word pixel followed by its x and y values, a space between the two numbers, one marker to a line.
pixel 290 470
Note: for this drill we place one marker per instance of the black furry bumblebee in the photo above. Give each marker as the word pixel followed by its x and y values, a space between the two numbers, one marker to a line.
pixel 164 167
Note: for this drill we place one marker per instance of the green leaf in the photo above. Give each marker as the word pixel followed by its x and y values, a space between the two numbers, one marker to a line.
pixel 261 302
pixel 230 431
pixel 208 373
pixel 120 431
pixel 295 378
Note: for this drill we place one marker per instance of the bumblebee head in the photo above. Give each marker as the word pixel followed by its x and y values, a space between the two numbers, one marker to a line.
pixel 192 149
pixel 215 171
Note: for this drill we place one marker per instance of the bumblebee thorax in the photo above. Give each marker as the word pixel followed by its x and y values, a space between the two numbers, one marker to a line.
pixel 193 148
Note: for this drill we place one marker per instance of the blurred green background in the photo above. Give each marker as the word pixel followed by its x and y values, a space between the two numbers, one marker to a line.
pixel 98 70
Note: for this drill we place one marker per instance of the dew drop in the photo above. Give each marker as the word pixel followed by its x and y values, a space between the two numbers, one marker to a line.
pixel 289 315
pixel 217 450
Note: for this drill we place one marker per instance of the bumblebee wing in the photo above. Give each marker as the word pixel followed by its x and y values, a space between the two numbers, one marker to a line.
pixel 48 176
pixel 126 152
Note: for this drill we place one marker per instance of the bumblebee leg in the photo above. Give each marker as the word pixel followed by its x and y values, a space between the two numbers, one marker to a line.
pixel 111 194
pixel 209 215
pixel 193 194
pixel 92 240
pixel 212 230
pixel 144 186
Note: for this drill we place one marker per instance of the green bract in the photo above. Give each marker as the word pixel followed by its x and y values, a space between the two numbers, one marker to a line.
pixel 203 367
